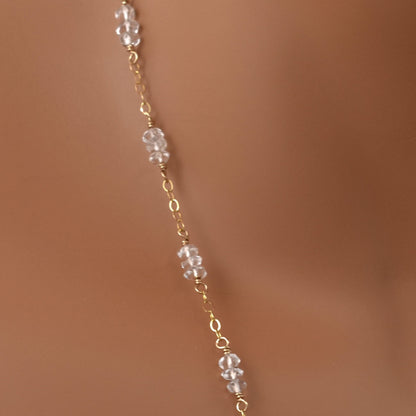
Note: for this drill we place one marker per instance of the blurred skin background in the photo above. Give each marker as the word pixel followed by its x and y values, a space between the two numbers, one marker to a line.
pixel 292 130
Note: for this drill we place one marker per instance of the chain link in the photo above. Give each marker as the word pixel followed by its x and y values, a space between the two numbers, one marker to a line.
pixel 139 85
pixel 174 206
pixel 242 404
pixel 222 343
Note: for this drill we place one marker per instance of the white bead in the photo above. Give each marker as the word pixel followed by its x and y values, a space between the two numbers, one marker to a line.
pixel 236 386
pixel 159 157
pixel 232 373
pixel 229 360
pixel 196 273
pixel 187 251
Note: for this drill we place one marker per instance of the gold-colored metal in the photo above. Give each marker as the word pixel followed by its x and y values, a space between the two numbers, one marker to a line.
pixel 139 85
pixel 174 205
pixel 222 343
pixel 242 404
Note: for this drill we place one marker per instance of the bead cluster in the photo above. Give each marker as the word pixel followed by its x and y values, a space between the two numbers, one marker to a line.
pixel 229 364
pixel 128 30
pixel 156 144
pixel 192 262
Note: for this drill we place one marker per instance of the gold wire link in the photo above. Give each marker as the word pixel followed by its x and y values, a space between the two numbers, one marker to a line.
pixel 222 343
pixel 241 405
pixel 139 85
pixel 174 206
pixel 165 186
pixel 215 325
pixel 207 306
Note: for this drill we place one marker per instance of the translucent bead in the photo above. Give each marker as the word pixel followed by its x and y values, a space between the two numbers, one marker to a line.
pixel 159 157
pixel 128 30
pixel 196 273
pixel 236 386
pixel 153 135
pixel 192 261
pixel 232 373
pixel 125 12
pixel 129 39
pixel 229 360
pixel 132 27
pixel 188 250
pixel 158 145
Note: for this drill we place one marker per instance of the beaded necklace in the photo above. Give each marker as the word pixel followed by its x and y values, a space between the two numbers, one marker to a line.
pixel 191 261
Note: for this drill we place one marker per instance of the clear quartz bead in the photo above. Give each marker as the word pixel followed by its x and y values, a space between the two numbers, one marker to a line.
pixel 229 360
pixel 198 272
pixel 192 261
pixel 158 145
pixel 236 386
pixel 188 250
pixel 128 39
pixel 159 157
pixel 125 12
pixel 152 135
pixel 130 27
pixel 128 30
pixel 232 373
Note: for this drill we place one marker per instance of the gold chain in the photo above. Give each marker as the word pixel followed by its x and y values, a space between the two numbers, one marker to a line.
pixel 222 343
pixel 174 206
pixel 139 85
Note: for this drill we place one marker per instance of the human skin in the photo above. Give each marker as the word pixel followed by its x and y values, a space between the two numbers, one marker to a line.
pixel 292 131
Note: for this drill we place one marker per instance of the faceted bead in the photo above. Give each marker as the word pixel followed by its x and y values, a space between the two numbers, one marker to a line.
pixel 236 386
pixel 134 40
pixel 125 12
pixel 153 135
pixel 159 157
pixel 196 273
pixel 130 27
pixel 128 39
pixel 158 145
pixel 128 30
pixel 155 141
pixel 192 261
pixel 232 373
pixel 229 360
pixel 188 250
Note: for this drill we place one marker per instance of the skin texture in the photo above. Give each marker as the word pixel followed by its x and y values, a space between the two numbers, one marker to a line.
pixel 292 130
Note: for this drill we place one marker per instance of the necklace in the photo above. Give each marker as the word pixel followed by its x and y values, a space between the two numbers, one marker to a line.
pixel 191 261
